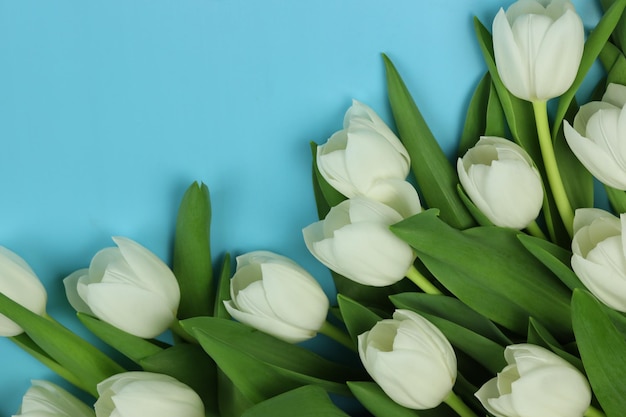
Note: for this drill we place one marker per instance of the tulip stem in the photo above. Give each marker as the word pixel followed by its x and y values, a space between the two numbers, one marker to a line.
pixel 457 404
pixel 593 412
pixel 534 230
pixel 552 170
pixel 337 335
pixel 421 281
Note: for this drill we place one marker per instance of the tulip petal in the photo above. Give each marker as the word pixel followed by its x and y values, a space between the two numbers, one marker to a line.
pixel 602 281
pixel 615 94
pixel 397 194
pixel 253 300
pixel 134 310
pixel 294 297
pixel 274 327
pixel 523 7
pixel 558 56
pixel 510 59
pixel 71 283
pixel 586 216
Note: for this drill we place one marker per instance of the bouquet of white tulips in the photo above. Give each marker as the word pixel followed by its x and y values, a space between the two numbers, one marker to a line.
pixel 491 285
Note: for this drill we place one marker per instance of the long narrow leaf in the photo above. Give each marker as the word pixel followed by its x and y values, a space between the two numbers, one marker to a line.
pixel 436 177
pixel 307 401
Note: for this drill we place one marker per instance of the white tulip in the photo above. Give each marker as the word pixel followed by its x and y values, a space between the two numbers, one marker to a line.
pixel 45 399
pixel 141 394
pixel 410 359
pixel 502 181
pixel 535 383
pixel 598 257
pixel 354 240
pixel 19 283
pixel 128 287
pixel 538 46
pixel 275 295
pixel 598 136
pixel 363 153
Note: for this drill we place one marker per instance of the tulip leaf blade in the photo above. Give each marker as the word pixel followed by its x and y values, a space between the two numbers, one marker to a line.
pixel 326 196
pixel 259 365
pixel 223 289
pixel 617 72
pixel 77 356
pixel 593 46
pixel 189 364
pixel 192 253
pixel 540 336
pixel 453 310
pixel 379 404
pixel 434 173
pixel 553 257
pixel 133 347
pixel 508 289
pixel 617 198
pixel 357 318
pixel 602 349
pixel 309 400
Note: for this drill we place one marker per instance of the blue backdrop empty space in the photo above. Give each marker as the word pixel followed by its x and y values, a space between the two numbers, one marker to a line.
pixel 109 110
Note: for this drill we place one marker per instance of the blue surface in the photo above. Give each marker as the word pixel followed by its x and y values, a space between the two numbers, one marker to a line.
pixel 109 110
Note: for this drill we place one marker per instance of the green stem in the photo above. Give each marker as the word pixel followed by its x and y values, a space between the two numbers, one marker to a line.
pixel 421 281
pixel 534 230
pixel 457 404
pixel 337 335
pixel 552 170
pixel 593 412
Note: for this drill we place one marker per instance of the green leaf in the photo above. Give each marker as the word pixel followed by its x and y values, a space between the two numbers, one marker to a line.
pixel 78 357
pixel 357 318
pixel 475 211
pixel 609 55
pixel 593 46
pixel 617 72
pixel 133 347
pixel 555 258
pixel 540 336
pixel 192 253
pixel 619 33
pixel 232 402
pixel 602 349
pixel 260 365
pixel 483 350
pixel 223 289
pixel 325 195
pixel 453 310
pixel 380 405
pixel 376 298
pixel 307 401
pixel 617 198
pixel 190 365
pixel 489 270
pixel 436 177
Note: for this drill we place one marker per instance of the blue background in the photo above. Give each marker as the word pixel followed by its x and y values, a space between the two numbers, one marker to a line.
pixel 109 110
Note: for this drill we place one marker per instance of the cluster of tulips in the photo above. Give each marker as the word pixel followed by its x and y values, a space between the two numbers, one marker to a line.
pixel 505 296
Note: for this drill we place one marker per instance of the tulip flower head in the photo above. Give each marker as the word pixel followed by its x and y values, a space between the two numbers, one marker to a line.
pixel 535 383
pixel 502 181
pixel 354 240
pixel 538 45
pixel 598 257
pixel 410 359
pixel 275 295
pixel 44 398
pixel 598 135
pixel 141 394
pixel 128 287
pixel 19 283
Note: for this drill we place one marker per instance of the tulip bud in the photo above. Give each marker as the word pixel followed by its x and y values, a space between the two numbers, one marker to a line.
pixel 598 135
pixel 410 359
pixel 141 394
pixel 44 398
pixel 536 382
pixel 538 48
pixel 275 295
pixel 366 158
pixel 501 180
pixel 354 240
pixel 598 255
pixel 128 287
pixel 19 283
